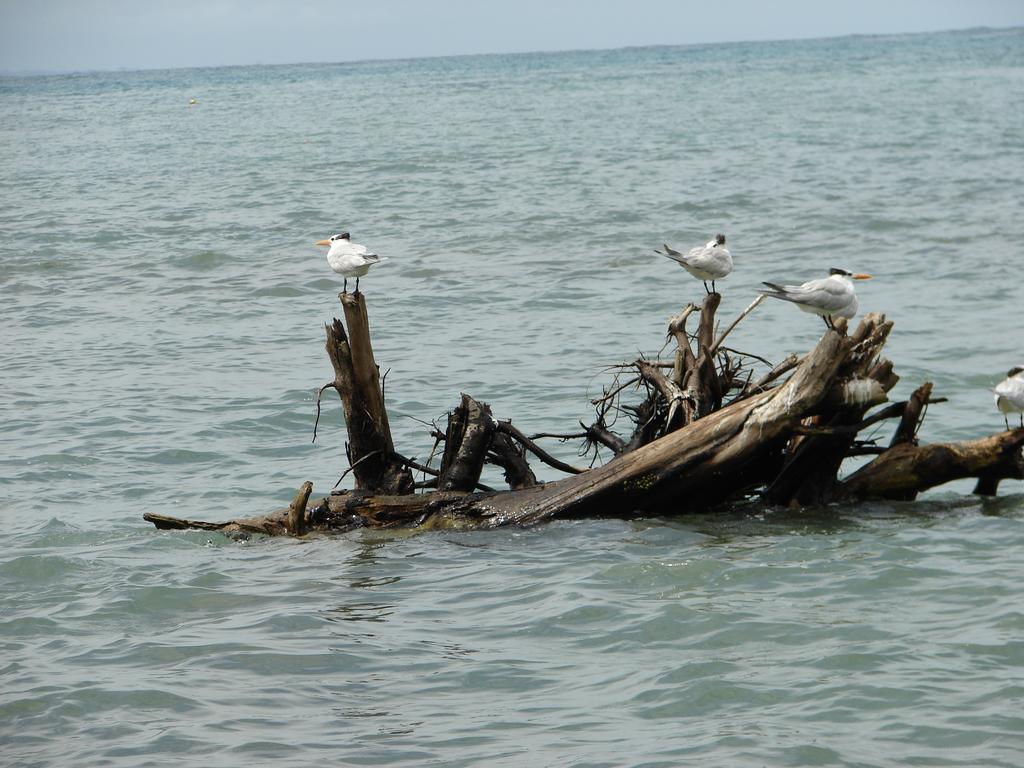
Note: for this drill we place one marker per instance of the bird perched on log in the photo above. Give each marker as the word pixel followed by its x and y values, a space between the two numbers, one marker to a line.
pixel 349 259
pixel 707 262
pixel 830 297
pixel 1009 394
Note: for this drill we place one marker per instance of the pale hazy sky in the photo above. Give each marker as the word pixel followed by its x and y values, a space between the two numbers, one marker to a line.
pixel 61 35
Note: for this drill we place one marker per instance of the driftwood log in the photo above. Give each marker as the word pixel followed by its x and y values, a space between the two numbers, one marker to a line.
pixel 705 434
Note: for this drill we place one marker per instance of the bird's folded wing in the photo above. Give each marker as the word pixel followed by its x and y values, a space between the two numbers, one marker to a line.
pixel 824 294
pixel 704 260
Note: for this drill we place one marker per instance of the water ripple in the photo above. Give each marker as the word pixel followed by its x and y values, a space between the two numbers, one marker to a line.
pixel 168 364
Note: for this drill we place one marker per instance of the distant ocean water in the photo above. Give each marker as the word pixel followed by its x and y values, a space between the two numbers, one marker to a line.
pixel 161 316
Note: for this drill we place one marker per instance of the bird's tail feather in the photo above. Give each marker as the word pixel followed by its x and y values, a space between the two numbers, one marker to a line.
pixel 779 292
pixel 670 253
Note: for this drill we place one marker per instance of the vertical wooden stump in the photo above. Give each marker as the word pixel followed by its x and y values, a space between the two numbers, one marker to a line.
pixel 467 439
pixel 357 379
pixel 702 385
pixel 684 359
pixel 692 390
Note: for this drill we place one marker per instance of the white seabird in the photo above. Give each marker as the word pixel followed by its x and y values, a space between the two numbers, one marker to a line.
pixel 349 259
pixel 830 297
pixel 707 262
pixel 1009 395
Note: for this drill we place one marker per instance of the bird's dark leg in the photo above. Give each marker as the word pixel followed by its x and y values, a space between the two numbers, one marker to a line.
pixel 713 288
pixel 357 285
pixel 345 288
pixel 1006 420
pixel 706 286
pixel 828 324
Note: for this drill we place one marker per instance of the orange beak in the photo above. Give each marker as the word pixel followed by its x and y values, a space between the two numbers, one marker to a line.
pixel 322 242
pixel 861 276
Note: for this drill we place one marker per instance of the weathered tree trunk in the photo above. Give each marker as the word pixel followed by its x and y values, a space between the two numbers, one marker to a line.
pixel 371 451
pixel 808 476
pixel 689 449
pixel 694 466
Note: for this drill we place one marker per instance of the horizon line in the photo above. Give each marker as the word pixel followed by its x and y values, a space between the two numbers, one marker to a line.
pixel 27 73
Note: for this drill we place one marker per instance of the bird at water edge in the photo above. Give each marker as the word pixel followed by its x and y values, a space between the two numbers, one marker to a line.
pixel 1009 394
pixel 830 297
pixel 349 259
pixel 707 262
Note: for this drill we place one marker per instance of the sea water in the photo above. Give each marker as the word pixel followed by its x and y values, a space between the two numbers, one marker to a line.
pixel 161 322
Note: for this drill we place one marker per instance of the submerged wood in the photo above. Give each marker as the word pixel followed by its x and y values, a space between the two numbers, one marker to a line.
pixel 905 470
pixel 691 448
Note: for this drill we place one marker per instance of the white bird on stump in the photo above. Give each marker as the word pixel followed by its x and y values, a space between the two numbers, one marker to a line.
pixel 1009 394
pixel 349 259
pixel 830 297
pixel 706 262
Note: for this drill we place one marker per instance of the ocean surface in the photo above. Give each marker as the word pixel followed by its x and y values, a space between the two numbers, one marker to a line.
pixel 161 314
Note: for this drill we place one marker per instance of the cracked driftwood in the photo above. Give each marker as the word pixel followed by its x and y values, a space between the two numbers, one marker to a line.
pixel 370 449
pixel 692 444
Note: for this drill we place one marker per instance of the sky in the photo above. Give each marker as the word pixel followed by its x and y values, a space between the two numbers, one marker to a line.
pixel 76 35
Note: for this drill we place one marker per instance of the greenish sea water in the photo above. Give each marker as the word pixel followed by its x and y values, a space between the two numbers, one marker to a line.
pixel 161 323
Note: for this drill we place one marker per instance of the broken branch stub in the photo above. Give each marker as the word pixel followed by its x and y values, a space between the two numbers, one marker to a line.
pixel 512 459
pixel 467 440
pixel 296 522
pixel 906 432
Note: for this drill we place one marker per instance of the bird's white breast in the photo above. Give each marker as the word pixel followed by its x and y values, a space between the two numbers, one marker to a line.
pixel 1009 395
